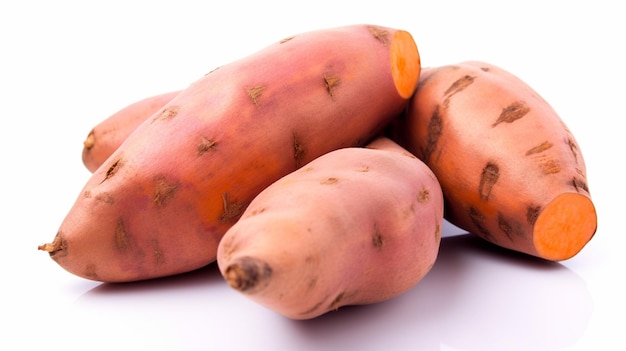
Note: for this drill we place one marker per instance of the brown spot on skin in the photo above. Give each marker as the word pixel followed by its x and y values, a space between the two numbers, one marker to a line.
pixel 337 301
pixel 205 145
pixel 256 212
pixel 573 147
pixel 423 196
pixel 505 227
pixel 512 113
pixel 164 191
pixel 408 154
pixel 488 179
pixel 379 34
pixel 122 238
pixel 157 253
pixel 314 307
pixel 438 233
pixel 167 113
pixel 485 69
pixel 213 70
pixel 105 198
pixel 90 271
pixel 254 93
pixel 539 148
pixel 549 166
pixel 478 219
pixel 458 86
pixel 580 185
pixel 232 209
pixel 532 213
pixel 113 168
pixel 435 129
pixel 331 82
pixel 377 238
pixel 286 39
pixel 298 151
pixel 363 168
pixel 248 274
pixel 58 247
pixel 330 180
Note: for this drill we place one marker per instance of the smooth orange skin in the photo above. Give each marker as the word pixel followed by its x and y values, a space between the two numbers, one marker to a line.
pixel 536 157
pixel 354 226
pixel 109 134
pixel 162 201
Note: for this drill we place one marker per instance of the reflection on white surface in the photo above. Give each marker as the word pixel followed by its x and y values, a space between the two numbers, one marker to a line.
pixel 477 297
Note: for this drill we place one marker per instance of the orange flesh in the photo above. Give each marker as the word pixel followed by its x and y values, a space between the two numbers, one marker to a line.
pixel 405 63
pixel 564 226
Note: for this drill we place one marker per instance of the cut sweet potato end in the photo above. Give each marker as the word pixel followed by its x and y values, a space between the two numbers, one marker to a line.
pixel 565 226
pixel 405 63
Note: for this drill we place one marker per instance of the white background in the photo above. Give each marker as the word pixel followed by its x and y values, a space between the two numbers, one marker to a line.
pixel 66 65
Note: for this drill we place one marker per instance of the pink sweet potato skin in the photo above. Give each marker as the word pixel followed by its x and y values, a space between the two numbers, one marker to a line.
pixel 354 226
pixel 109 134
pixel 511 171
pixel 162 201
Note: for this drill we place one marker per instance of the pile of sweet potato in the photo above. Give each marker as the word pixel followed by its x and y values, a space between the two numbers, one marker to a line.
pixel 317 173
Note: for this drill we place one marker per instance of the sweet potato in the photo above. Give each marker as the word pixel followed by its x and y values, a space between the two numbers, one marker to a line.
pixel 510 169
pixel 354 226
pixel 163 200
pixel 109 134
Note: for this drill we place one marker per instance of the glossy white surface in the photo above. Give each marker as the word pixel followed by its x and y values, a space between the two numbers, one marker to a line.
pixel 66 65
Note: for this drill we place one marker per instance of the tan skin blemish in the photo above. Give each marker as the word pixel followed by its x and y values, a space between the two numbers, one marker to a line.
pixel 167 113
pixel 379 34
pixel 573 148
pixel 314 307
pixel 122 238
pixel 329 180
pixel 254 93
pixel 298 151
pixel 550 166
pixel 478 220
pixel 157 253
pixel 423 196
pixel 512 113
pixel 539 148
pixel 458 86
pixel 505 227
pixel 337 301
pixel 90 271
pixel 113 168
pixel 286 39
pixel 331 83
pixel 232 209
pixel 579 185
pixel 105 198
pixel 206 145
pixel 532 213
pixel 164 191
pixel 435 130
pixel 488 178
pixel 377 239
